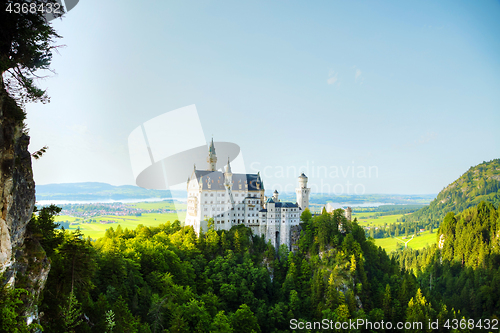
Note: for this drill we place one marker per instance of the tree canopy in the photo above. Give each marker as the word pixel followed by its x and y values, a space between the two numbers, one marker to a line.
pixel 26 45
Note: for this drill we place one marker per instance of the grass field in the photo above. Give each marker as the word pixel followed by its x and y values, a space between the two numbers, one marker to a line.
pixel 391 244
pixel 381 220
pixel 362 215
pixel 96 230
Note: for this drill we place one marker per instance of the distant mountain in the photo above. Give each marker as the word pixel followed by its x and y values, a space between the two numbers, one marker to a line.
pixel 479 183
pixel 99 191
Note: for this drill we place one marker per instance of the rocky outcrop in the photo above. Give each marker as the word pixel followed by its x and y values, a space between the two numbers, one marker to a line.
pixel 23 262
pixel 294 237
pixel 442 238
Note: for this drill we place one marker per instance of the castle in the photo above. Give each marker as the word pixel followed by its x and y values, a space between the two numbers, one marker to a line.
pixel 233 199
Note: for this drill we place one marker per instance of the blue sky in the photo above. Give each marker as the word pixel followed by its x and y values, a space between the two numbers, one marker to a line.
pixel 410 88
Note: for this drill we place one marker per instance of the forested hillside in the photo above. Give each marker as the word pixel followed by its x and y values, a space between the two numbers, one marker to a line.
pixel 463 270
pixel 166 279
pixel 479 183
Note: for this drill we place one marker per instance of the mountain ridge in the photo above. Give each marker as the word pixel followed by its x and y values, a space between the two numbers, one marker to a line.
pixel 479 183
pixel 98 191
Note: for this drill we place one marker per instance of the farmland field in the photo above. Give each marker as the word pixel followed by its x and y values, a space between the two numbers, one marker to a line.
pixel 380 221
pixel 362 215
pixel 391 243
pixel 97 229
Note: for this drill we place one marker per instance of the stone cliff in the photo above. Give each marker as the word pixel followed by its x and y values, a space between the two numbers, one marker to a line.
pixel 23 262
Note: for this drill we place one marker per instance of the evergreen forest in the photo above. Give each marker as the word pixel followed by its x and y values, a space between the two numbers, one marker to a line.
pixel 167 279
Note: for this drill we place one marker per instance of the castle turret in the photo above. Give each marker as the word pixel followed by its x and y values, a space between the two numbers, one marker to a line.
pixel 212 158
pixel 275 196
pixel 348 213
pixel 303 192
pixel 228 184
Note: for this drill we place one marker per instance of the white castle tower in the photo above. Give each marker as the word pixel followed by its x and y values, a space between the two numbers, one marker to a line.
pixel 303 193
pixel 228 184
pixel 212 158
pixel 275 196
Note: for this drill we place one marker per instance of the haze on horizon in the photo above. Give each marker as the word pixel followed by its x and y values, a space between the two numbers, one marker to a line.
pixel 407 89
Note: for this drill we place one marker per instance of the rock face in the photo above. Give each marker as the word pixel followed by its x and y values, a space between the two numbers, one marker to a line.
pixel 22 260
pixel 442 238
pixel 294 237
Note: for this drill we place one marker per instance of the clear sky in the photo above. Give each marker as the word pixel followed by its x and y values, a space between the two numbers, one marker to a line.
pixel 408 88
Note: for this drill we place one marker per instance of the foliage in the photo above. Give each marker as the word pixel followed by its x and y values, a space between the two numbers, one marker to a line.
pixel 43 227
pixel 11 308
pixel 154 279
pixel 39 153
pixel 463 274
pixel 110 321
pixel 71 313
pixel 26 45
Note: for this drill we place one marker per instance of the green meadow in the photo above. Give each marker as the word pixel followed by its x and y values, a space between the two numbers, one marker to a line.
pixel 378 221
pixel 360 216
pixel 391 243
pixel 97 229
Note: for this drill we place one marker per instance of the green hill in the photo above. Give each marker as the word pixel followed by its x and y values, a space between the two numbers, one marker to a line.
pixel 479 183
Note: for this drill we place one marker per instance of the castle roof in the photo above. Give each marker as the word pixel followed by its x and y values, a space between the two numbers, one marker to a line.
pixel 282 204
pixel 217 178
pixel 286 204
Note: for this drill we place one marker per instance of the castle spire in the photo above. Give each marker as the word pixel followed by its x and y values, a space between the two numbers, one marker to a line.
pixel 228 176
pixel 212 158
pixel 212 147
pixel 228 167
